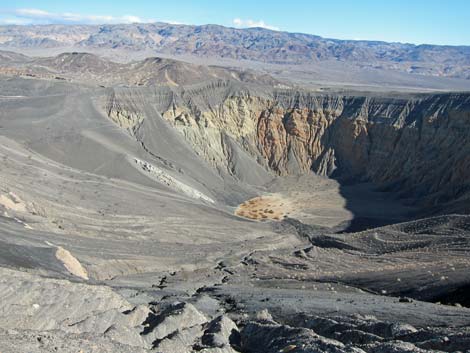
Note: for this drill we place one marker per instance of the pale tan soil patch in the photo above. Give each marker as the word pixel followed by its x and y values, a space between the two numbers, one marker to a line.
pixel 71 263
pixel 12 202
pixel 269 207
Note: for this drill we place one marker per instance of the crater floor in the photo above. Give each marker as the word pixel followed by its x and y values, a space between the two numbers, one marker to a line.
pixel 325 202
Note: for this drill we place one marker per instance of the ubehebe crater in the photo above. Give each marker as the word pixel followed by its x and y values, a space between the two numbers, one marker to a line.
pixel 169 207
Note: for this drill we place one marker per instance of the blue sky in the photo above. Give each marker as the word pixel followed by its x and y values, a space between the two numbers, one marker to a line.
pixel 412 21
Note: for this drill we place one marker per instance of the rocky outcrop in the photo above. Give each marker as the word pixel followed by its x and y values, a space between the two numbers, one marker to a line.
pixel 161 176
pixel 220 336
pixel 46 313
pixel 183 328
pixel 272 337
pixel 123 113
pixel 346 334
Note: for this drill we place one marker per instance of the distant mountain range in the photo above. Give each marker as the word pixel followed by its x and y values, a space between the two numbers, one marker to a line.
pixel 253 44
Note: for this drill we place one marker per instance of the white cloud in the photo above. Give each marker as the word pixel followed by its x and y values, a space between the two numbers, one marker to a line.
pixel 37 16
pixel 32 13
pixel 238 22
pixel 173 22
pixel 13 21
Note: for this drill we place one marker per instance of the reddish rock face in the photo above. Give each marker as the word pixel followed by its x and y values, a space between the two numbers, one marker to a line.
pixel 418 144
pixel 292 133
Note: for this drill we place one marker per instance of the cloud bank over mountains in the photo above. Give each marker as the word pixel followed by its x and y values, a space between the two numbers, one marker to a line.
pixel 241 23
pixel 33 16
pixel 37 16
